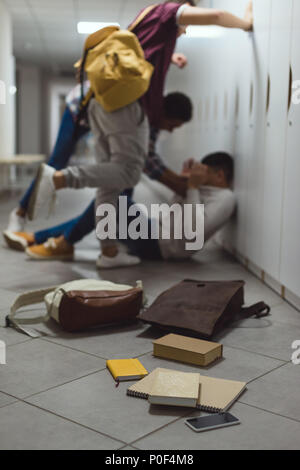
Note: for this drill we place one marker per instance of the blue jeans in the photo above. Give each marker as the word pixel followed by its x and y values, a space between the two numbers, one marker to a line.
pixel 76 229
pixel 65 145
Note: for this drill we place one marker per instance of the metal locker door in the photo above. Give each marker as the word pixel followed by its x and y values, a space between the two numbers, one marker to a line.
pixel 290 245
pixel 256 136
pixel 276 128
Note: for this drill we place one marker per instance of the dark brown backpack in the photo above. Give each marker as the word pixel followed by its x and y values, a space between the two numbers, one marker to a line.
pixel 201 308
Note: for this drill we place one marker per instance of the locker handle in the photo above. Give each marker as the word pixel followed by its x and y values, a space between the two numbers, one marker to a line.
pixel 237 103
pixel 268 94
pixel 290 88
pixel 225 105
pixel 251 98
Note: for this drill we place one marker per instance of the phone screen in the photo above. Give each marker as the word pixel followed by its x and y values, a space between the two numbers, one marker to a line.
pixel 221 419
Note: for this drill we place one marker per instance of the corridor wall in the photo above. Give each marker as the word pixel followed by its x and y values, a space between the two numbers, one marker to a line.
pixel 7 81
pixel 242 88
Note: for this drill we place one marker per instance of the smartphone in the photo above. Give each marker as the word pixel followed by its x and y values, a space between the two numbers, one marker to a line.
pixel 206 423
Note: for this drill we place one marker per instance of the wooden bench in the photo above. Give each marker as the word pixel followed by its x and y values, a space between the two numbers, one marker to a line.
pixel 22 160
pixel 9 166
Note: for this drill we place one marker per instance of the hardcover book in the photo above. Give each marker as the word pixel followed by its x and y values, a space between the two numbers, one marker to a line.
pixel 188 350
pixel 175 388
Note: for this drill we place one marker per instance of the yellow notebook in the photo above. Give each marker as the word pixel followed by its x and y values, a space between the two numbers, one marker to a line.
pixel 126 369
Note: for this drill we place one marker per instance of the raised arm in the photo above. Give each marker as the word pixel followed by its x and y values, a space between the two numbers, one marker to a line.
pixel 208 16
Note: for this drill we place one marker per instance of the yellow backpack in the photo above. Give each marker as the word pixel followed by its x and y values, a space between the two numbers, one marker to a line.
pixel 116 68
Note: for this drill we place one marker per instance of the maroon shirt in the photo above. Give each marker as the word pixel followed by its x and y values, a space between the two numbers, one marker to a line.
pixel 157 34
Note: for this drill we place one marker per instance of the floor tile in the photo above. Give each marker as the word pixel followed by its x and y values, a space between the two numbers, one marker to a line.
pixel 98 404
pixel 114 342
pixel 263 336
pixel 7 299
pixel 38 365
pixel 10 336
pixel 258 430
pixel 284 313
pixel 127 448
pixel 236 365
pixel 277 391
pixel 6 399
pixel 24 427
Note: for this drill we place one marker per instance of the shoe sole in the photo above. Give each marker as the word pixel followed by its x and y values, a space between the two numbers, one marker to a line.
pixel 49 258
pixel 33 198
pixel 118 266
pixel 14 242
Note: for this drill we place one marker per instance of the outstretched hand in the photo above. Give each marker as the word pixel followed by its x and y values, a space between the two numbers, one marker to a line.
pixel 179 59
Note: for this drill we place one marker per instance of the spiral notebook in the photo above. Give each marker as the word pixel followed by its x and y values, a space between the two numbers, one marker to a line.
pixel 216 395
pixel 142 388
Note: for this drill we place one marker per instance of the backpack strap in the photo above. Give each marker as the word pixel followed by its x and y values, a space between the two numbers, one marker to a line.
pixel 92 41
pixel 23 300
pixel 141 17
pixel 258 310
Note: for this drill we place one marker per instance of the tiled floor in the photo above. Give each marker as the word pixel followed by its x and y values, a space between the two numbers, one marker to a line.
pixel 55 392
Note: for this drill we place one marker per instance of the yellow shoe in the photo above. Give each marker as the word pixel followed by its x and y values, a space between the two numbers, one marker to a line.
pixel 52 250
pixel 18 240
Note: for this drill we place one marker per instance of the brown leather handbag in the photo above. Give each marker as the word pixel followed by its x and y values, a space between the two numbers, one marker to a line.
pixel 79 305
pixel 201 308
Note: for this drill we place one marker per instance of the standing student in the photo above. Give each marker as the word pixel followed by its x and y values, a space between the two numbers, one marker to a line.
pixel 157 34
pixel 177 110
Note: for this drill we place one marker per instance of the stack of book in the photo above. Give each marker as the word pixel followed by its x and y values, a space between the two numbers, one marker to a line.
pixel 175 388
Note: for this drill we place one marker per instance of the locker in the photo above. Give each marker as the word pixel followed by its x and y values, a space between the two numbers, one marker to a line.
pixel 241 149
pixel 290 251
pixel 255 140
pixel 276 128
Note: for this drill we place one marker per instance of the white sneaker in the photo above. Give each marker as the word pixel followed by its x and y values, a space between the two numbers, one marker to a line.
pixel 43 195
pixel 18 240
pixel 15 222
pixel 121 260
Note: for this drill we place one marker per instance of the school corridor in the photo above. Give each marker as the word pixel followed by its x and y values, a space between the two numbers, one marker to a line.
pixel 200 110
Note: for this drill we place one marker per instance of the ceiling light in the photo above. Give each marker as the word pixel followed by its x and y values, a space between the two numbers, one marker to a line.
pixel 204 32
pixel 89 27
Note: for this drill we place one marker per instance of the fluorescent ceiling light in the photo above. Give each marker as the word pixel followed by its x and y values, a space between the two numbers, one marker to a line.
pixel 89 27
pixel 204 32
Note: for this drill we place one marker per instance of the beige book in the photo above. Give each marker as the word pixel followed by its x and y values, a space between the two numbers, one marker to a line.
pixel 175 388
pixel 217 395
pixel 188 350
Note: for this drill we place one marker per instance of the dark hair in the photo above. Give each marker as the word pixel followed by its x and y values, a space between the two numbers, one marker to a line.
pixel 221 161
pixel 178 106
pixel 191 2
